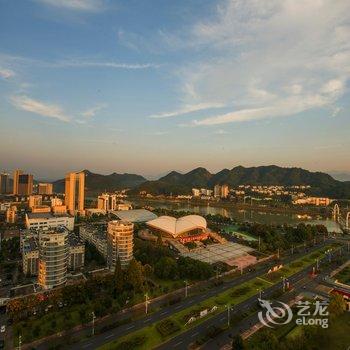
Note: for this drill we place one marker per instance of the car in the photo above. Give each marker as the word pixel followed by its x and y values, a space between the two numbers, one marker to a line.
pixel 3 329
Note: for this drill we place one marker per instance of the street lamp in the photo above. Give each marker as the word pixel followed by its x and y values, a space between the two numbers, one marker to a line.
pixel 93 322
pixel 19 342
pixel 260 292
pixel 186 286
pixel 228 314
pixel 146 302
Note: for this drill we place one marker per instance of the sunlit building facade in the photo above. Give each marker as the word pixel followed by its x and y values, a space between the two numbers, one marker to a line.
pixel 74 193
pixel 120 243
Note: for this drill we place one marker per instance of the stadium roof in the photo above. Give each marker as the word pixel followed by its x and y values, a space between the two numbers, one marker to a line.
pixel 135 215
pixel 176 227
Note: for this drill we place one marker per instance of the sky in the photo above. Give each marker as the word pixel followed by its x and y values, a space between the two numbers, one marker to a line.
pixel 151 86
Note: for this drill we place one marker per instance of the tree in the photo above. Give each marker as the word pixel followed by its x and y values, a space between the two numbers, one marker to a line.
pixel 134 275
pixel 237 342
pixel 166 268
pixel 118 277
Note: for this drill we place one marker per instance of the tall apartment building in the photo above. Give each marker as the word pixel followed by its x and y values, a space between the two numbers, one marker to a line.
pixel 42 249
pixel 74 193
pixel 119 243
pixel 4 183
pixel 16 174
pixel 107 202
pixel 45 188
pixel 53 258
pixel 25 184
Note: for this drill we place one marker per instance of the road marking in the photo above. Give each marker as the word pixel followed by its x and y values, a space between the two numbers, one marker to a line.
pixel 163 313
pixel 177 344
pixel 146 320
pixel 194 334
pixel 178 307
pixel 262 279
pixel 222 319
pixel 109 336
pixel 86 345
pixel 130 327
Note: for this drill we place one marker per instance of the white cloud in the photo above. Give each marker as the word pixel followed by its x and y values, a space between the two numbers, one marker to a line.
pixel 188 109
pixel 280 108
pixel 37 107
pixel 91 112
pixel 269 59
pixel 102 64
pixel 6 73
pixel 77 5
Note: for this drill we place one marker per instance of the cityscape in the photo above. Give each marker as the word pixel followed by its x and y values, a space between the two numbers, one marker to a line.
pixel 174 175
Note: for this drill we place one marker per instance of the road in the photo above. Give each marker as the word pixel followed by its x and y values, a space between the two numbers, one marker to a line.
pixel 100 339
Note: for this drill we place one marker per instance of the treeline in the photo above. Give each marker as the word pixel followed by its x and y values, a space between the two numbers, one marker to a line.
pixel 282 237
pixel 164 265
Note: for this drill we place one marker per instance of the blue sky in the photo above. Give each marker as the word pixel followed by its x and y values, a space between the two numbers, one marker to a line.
pixel 154 86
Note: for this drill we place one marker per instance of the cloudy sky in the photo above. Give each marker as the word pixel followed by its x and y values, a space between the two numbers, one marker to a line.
pixel 152 86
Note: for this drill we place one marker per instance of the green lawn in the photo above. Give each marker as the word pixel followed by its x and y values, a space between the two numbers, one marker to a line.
pixel 344 275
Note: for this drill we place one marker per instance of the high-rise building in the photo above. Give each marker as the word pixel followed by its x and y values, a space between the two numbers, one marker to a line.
pixel 53 258
pixel 107 202
pixel 25 184
pixel 49 254
pixel 16 174
pixel 74 193
pixel 4 183
pixel 119 243
pixel 45 188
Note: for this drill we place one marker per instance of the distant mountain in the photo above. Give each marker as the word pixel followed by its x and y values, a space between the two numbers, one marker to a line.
pixel 321 184
pixel 97 183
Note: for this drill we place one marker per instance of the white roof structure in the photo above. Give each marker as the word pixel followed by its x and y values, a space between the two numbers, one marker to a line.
pixel 176 227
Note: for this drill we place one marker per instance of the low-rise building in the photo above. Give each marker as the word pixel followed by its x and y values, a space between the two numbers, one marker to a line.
pixel 45 188
pixel 11 215
pixel 95 235
pixel 76 252
pixel 35 200
pixel 41 209
pixel 46 221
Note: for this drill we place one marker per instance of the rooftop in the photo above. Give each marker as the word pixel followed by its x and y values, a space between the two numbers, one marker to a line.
pixel 135 215
pixel 176 227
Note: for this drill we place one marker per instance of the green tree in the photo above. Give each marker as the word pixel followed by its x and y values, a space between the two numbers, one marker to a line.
pixel 118 277
pixel 134 276
pixel 237 342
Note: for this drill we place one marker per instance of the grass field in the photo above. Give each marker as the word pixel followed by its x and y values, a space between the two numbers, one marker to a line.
pixel 344 275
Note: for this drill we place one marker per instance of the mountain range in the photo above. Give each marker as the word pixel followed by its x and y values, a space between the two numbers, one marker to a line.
pixel 97 183
pixel 321 184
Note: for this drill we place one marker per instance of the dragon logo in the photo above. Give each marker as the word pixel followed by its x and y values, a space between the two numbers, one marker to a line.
pixel 275 315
